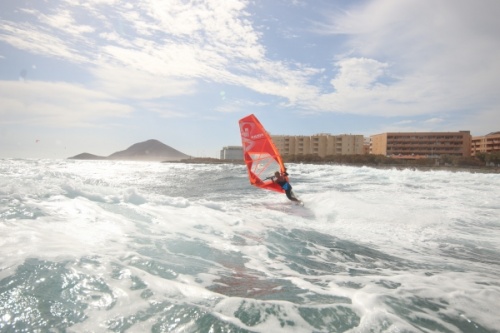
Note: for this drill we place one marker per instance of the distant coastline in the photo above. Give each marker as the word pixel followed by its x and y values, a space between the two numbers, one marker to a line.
pixel 451 168
pixel 206 160
pixel 156 151
pixel 407 166
pixel 483 169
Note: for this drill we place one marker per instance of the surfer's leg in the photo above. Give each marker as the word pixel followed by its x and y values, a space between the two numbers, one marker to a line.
pixel 290 196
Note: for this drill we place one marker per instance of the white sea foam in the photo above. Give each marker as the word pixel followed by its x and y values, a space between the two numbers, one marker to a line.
pixel 141 243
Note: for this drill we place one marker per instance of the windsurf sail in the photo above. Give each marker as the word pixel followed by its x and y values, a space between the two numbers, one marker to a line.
pixel 260 154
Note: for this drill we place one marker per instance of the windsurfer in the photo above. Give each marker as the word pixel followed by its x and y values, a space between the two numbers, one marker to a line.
pixel 282 180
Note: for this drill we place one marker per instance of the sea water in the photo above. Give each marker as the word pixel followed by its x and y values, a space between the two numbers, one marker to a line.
pixel 107 246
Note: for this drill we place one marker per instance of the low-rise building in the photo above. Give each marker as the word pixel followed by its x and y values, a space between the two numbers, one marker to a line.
pixel 488 143
pixel 319 144
pixel 231 153
pixel 428 144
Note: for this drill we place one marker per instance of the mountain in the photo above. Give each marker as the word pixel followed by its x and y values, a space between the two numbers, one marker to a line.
pixel 87 156
pixel 151 150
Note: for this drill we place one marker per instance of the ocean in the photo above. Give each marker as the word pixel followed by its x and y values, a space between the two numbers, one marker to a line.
pixel 111 246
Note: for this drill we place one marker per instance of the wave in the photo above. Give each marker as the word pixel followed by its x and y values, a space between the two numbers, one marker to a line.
pixel 128 246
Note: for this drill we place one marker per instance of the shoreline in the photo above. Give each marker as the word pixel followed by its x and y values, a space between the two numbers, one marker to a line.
pixel 451 168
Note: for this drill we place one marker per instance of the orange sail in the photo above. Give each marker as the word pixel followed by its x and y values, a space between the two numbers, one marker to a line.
pixel 261 156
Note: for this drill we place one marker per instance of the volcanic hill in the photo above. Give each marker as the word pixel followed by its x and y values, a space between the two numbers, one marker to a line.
pixel 151 150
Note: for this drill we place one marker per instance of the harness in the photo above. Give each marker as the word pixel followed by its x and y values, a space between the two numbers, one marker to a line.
pixel 284 185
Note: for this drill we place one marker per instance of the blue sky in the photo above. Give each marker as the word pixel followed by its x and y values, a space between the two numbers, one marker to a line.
pixel 100 75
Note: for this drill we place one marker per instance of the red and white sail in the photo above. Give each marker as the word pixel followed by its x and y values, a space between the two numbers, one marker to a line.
pixel 261 156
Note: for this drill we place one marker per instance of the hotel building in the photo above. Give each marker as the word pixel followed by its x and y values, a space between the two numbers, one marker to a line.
pixel 488 143
pixel 320 144
pixel 422 144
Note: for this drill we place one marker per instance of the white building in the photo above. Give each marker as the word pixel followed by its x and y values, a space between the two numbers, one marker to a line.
pixel 231 153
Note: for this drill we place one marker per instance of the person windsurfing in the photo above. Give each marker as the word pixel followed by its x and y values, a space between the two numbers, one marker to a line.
pixel 281 179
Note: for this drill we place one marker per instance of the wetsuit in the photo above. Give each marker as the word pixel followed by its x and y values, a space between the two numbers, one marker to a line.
pixel 285 185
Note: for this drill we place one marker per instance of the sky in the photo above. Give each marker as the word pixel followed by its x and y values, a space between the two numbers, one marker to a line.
pixel 98 76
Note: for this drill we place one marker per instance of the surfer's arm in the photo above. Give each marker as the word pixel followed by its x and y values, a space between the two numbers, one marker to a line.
pixel 271 178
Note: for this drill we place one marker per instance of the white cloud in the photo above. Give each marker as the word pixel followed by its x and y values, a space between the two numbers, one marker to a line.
pixel 165 110
pixel 56 104
pixel 123 82
pixel 434 121
pixel 236 106
pixel 28 37
pixel 405 122
pixel 65 22
pixel 400 57
pixel 174 42
pixel 442 55
pixel 357 73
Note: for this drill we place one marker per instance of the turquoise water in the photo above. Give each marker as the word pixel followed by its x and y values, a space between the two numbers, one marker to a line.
pixel 100 246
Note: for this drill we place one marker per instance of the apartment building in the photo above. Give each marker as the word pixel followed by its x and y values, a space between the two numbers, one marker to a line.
pixel 231 153
pixel 488 143
pixel 319 144
pixel 366 145
pixel 422 144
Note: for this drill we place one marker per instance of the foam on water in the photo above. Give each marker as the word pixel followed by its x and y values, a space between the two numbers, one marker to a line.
pixel 118 246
